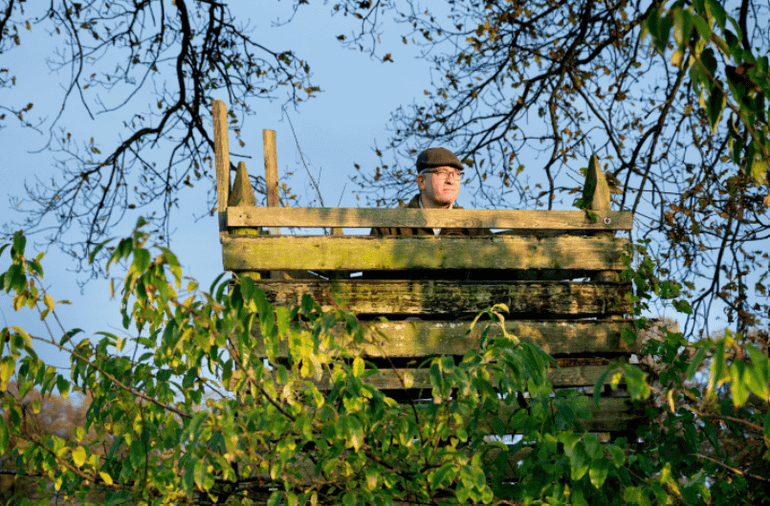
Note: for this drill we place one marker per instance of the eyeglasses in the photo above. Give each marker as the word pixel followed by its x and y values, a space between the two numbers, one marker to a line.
pixel 445 174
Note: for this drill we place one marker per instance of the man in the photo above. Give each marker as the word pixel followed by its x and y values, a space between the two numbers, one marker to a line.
pixel 439 176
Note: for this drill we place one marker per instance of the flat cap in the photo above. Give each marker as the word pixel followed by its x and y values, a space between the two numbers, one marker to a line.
pixel 437 157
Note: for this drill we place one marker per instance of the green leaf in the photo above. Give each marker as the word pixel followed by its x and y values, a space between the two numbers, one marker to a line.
pixel 96 250
pixel 23 333
pixel 628 335
pixel 716 105
pixel 214 283
pixel 618 455
pixel 436 379
pixel 136 454
pixel 760 366
pixel 579 462
pixel 682 305
pixel 600 383
pixel 766 428
pixel 569 440
pixel 141 259
pixel 682 26
pixel 664 29
pixel 437 478
pixel 358 367
pixel 62 385
pixel 189 478
pixel 200 474
pixel 695 362
pixel 282 320
pixel 275 498
pixel 307 304
pixel 592 446
pixel 714 9
pixel 498 426
pixel 598 472
pixel 702 26
pixel 19 243
pixel 636 382
pixel 738 385
pixel 4 435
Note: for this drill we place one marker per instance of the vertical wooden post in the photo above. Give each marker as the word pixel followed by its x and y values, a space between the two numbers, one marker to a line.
pixel 271 167
pixel 271 173
pixel 271 185
pixel 222 160
pixel 241 194
pixel 597 194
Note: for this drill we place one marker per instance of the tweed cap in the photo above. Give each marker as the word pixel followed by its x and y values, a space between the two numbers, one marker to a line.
pixel 437 157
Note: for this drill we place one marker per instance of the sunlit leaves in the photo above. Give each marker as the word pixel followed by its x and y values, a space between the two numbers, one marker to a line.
pixel 160 424
pixel 711 41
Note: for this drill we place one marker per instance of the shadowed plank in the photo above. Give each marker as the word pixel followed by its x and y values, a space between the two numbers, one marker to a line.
pixel 614 414
pixel 241 253
pixel 393 379
pixel 419 339
pixel 453 297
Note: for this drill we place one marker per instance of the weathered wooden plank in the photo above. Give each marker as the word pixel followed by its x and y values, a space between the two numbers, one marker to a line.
pixel 271 176
pixel 614 414
pixel 420 297
pixel 247 216
pixel 271 168
pixel 242 253
pixel 419 339
pixel 222 160
pixel 392 379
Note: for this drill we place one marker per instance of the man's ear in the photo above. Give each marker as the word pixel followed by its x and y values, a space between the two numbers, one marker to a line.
pixel 420 180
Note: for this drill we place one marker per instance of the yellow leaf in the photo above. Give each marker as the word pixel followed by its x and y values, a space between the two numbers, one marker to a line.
pixel 759 170
pixel 106 477
pixel 79 456
pixel 676 58
pixel 48 302
pixel 408 380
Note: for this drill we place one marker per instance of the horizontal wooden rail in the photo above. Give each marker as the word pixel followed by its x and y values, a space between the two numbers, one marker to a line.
pixel 419 297
pixel 393 379
pixel 614 414
pixel 419 339
pixel 248 216
pixel 244 253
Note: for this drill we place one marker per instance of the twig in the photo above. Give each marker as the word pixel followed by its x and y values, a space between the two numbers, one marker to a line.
pixel 299 149
pixel 733 469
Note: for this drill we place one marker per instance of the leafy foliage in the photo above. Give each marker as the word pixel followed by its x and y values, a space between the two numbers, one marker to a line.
pixel 184 410
pixel 196 415
pixel 669 95
pixel 151 70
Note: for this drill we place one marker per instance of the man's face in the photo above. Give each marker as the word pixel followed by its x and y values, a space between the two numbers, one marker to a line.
pixel 439 186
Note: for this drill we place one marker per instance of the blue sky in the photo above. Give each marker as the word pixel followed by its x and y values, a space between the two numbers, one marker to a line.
pixel 335 129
